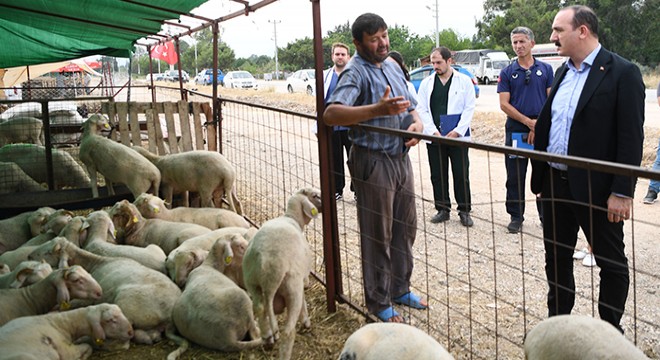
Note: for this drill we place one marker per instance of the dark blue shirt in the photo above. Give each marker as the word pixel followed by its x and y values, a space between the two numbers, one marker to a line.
pixel 528 93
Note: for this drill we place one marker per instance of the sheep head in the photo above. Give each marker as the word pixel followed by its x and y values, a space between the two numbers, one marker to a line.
pixel 79 284
pixel 29 272
pixel 101 225
pixel 38 218
pixel 73 230
pixel 55 252
pixel 125 217
pixel 304 205
pixel 149 206
pixel 57 220
pixel 107 321
pixel 183 262
pixel 96 125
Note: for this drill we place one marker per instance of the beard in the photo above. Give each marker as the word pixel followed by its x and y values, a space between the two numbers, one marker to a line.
pixel 373 56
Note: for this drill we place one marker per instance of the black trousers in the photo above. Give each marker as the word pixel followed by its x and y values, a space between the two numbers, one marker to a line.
pixel 516 171
pixel 439 158
pixel 563 218
pixel 340 142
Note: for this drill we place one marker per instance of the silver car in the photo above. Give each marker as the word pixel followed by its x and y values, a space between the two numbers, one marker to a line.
pixel 302 81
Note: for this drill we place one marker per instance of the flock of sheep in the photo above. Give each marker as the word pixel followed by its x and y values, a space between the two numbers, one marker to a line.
pixel 142 271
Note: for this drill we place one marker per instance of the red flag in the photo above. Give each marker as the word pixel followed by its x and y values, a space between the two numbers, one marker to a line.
pixel 165 52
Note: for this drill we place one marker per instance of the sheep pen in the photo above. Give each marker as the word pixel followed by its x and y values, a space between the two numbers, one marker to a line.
pixel 329 331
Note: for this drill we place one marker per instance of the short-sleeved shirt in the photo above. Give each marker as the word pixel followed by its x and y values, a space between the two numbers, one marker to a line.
pixel 364 83
pixel 528 98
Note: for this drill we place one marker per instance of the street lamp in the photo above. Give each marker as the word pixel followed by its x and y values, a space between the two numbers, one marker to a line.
pixel 277 67
pixel 437 27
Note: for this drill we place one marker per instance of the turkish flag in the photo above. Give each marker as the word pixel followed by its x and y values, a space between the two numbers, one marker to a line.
pixel 165 52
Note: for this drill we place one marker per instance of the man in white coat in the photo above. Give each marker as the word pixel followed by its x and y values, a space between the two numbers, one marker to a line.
pixel 446 105
pixel 340 57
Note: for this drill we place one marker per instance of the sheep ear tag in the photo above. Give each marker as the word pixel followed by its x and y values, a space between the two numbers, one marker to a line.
pixel 135 219
pixel 314 211
pixel 65 305
pixel 228 260
pixel 98 342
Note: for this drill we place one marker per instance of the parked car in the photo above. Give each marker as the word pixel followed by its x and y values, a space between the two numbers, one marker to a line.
pixel 173 75
pixel 240 80
pixel 156 76
pixel 417 75
pixel 205 77
pixel 302 81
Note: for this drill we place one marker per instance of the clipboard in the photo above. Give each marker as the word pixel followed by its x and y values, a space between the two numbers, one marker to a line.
pixel 449 123
pixel 519 140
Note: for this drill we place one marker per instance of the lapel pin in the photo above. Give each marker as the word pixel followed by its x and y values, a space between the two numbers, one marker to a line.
pixel 602 68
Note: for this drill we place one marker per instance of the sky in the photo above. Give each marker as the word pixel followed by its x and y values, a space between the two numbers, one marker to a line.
pixel 291 20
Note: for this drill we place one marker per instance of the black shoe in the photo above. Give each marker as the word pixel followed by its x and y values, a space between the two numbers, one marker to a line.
pixel 515 226
pixel 466 220
pixel 650 197
pixel 441 216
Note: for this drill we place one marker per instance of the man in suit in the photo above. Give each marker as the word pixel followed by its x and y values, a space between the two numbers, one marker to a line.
pixel 595 110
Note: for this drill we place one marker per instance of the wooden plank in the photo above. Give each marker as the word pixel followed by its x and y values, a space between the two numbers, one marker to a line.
pixel 171 128
pixel 184 122
pixel 199 129
pixel 122 116
pixel 211 134
pixel 151 132
pixel 133 110
pixel 112 116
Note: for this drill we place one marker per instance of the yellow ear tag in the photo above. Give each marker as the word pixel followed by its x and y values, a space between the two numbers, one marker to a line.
pixel 157 210
pixel 65 305
pixel 135 219
pixel 99 342
pixel 228 260
pixel 314 212
pixel 107 126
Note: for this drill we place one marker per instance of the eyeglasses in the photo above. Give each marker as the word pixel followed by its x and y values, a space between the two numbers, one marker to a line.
pixel 528 73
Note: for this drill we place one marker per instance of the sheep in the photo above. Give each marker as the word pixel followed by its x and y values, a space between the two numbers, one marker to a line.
pixel 116 162
pixel 18 229
pixel 4 269
pixel 133 229
pixel 22 130
pixel 191 254
pixel 26 273
pixel 392 341
pixel 94 232
pixel 57 335
pixel 57 289
pixel 13 180
pixel 153 207
pixel 212 310
pixel 32 160
pixel 144 295
pixel 54 224
pixel 582 337
pixel 278 260
pixel 206 172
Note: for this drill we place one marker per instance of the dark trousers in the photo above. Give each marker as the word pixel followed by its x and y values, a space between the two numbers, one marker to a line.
pixel 439 158
pixel 387 217
pixel 340 142
pixel 516 172
pixel 563 219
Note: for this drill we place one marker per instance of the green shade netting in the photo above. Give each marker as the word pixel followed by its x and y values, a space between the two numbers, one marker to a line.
pixel 42 31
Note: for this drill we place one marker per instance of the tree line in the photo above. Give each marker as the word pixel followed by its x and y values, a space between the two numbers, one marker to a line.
pixel 629 28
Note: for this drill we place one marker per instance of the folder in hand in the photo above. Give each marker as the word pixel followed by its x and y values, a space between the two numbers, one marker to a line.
pixel 449 123
pixel 519 140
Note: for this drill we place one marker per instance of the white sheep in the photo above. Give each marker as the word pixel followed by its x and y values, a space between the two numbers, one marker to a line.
pixel 191 254
pixel 153 207
pixel 26 273
pixel 21 130
pixel 568 337
pixel 17 230
pixel 279 260
pixel 144 295
pixel 116 162
pixel 133 229
pixel 212 310
pixel 57 335
pixel 14 180
pixel 32 160
pixel 56 290
pixel 97 228
pixel 379 341
pixel 54 224
pixel 206 172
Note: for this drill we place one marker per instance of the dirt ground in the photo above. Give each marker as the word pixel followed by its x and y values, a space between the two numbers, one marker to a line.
pixel 329 331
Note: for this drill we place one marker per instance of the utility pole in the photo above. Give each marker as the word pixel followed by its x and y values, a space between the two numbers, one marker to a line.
pixel 437 24
pixel 277 67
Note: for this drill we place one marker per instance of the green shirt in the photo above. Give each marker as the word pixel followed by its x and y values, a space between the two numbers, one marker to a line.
pixel 439 99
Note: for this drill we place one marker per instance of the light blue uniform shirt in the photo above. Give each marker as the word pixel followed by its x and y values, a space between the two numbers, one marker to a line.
pixel 564 104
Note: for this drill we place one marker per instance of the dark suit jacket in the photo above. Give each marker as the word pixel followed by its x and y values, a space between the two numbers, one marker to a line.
pixel 608 125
